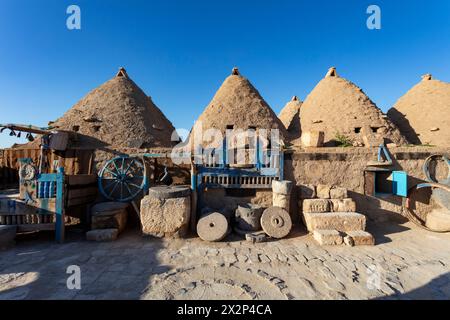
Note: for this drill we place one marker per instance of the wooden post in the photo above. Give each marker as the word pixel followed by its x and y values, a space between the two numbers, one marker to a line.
pixel 60 218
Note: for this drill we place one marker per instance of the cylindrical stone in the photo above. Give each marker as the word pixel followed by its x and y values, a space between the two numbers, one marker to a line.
pixel 276 222
pixel 282 187
pixel 166 211
pixel 281 201
pixel 212 226
pixel 248 217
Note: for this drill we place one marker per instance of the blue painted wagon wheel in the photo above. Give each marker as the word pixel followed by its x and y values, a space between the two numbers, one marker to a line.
pixel 122 179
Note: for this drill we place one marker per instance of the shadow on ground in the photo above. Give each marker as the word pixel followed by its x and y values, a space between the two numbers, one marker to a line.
pixel 436 289
pixel 36 268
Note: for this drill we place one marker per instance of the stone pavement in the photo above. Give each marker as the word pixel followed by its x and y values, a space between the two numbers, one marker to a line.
pixel 406 263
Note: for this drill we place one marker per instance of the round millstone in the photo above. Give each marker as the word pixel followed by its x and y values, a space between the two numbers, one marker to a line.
pixel 168 192
pixel 276 222
pixel 212 227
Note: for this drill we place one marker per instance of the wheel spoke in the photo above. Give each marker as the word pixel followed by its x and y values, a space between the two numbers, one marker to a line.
pixel 114 189
pixel 134 185
pixel 110 183
pixel 128 188
pixel 115 166
pixel 129 166
pixel 113 173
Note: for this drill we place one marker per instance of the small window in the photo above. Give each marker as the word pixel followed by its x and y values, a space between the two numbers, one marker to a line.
pixel 374 129
pixel 230 127
pixel 76 128
pixel 357 129
pixel 96 128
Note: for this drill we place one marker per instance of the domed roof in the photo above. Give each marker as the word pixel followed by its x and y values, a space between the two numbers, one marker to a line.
pixel 238 105
pixel 338 107
pixel 423 113
pixel 118 114
pixel 290 117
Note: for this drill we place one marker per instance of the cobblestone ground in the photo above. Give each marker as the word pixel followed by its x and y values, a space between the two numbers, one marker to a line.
pixel 407 263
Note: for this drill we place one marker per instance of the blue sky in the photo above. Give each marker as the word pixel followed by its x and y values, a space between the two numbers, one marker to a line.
pixel 179 52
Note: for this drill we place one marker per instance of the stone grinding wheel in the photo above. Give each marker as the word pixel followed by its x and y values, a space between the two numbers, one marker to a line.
pixel 212 227
pixel 276 222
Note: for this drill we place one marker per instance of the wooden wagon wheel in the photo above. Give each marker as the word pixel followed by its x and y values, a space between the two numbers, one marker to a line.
pixel 122 179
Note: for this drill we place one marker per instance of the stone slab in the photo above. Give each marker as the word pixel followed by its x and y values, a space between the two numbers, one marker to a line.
pixel 361 238
pixel 323 191
pixel 328 237
pixel 102 235
pixel 338 193
pixel 343 205
pixel 169 192
pixel 116 220
pixel 340 221
pixel 316 205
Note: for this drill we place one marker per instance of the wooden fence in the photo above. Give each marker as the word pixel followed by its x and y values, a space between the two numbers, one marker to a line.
pixel 74 161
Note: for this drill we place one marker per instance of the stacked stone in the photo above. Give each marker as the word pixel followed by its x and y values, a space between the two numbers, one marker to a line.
pixel 165 211
pixel 331 216
pixel 108 220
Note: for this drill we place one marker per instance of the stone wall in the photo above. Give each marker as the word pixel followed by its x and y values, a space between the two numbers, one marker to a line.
pixel 345 167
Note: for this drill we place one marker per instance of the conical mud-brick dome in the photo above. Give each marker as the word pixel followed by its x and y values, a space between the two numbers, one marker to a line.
pixel 238 105
pixel 423 113
pixel 290 117
pixel 340 108
pixel 118 114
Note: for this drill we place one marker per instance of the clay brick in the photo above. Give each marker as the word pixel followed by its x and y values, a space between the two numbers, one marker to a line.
pixel 338 193
pixel 328 237
pixel 343 205
pixel 340 221
pixel 361 238
pixel 316 205
pixel 323 191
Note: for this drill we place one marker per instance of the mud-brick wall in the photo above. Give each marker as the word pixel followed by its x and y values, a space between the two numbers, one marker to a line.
pixel 180 173
pixel 345 167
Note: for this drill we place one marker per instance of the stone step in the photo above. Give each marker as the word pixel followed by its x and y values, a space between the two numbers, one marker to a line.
pixel 328 237
pixel 340 221
pixel 359 238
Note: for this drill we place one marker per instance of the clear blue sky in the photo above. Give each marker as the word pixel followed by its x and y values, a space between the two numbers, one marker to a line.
pixel 179 52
